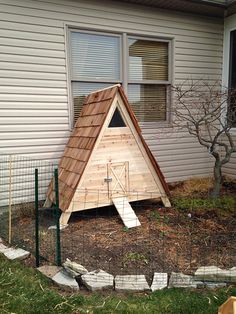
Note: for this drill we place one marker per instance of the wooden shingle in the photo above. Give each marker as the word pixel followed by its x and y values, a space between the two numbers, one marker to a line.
pixel 81 143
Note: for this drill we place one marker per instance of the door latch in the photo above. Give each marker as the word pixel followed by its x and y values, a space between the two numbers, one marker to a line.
pixel 108 179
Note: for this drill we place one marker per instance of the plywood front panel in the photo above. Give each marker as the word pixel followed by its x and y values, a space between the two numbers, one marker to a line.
pixel 117 147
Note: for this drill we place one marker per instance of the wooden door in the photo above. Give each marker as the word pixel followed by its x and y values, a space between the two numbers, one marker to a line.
pixel 118 179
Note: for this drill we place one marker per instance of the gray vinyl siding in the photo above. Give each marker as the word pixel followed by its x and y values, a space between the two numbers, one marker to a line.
pixel 34 102
pixel 229 170
pixel 229 24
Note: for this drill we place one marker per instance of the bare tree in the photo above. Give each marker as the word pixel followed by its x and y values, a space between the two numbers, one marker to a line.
pixel 206 112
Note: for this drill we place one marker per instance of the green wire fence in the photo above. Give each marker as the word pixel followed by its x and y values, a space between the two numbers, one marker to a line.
pixel 181 238
pixel 24 221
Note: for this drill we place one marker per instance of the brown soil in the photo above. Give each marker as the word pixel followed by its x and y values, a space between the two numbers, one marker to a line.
pixel 167 240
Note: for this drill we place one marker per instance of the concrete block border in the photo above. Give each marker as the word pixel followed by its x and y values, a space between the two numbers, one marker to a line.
pixel 73 276
pixel 101 280
pixel 13 253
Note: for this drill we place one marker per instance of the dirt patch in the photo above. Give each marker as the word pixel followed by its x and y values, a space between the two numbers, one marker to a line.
pixel 166 241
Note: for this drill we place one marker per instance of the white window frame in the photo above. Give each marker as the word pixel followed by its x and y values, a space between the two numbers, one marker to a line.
pixel 230 25
pixel 124 67
pixel 168 83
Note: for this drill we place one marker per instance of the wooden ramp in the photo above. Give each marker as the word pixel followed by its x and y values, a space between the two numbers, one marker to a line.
pixel 126 212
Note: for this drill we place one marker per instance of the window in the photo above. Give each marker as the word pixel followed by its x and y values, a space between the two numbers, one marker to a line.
pixel 117 120
pixel 232 76
pixel 97 61
pixel 148 79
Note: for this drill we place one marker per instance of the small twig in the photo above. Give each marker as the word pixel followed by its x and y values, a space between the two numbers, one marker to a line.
pixel 99 306
pixel 209 300
pixel 41 286
pixel 117 304
pixel 110 233
pixel 102 304
pixel 60 304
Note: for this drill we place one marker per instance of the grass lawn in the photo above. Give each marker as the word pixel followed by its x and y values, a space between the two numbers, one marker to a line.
pixel 24 291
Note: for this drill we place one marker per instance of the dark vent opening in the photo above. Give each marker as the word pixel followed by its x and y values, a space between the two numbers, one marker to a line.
pixel 117 120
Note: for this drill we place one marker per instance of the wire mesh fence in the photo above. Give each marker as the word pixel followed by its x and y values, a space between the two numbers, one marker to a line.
pixel 167 240
pixel 17 201
pixel 181 238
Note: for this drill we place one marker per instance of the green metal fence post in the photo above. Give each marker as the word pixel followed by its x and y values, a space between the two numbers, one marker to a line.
pixel 58 239
pixel 36 201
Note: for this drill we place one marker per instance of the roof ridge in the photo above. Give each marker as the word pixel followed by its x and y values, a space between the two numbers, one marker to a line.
pixel 105 88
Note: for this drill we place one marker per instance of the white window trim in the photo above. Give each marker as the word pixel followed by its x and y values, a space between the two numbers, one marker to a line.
pixel 229 25
pixel 124 64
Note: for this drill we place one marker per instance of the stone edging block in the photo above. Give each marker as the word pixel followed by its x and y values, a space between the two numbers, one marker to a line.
pixel 133 283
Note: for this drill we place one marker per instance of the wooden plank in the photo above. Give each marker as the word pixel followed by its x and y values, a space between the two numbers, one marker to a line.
pixel 126 212
pixel 229 307
pixel 141 148
pixel 86 199
pixel 139 196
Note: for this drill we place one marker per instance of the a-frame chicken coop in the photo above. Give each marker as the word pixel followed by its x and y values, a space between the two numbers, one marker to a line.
pixel 107 161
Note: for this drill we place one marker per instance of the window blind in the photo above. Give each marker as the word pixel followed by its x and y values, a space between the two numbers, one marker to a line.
pixel 148 60
pixel 148 101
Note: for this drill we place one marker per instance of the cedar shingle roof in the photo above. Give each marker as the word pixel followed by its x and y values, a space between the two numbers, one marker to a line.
pixel 82 140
